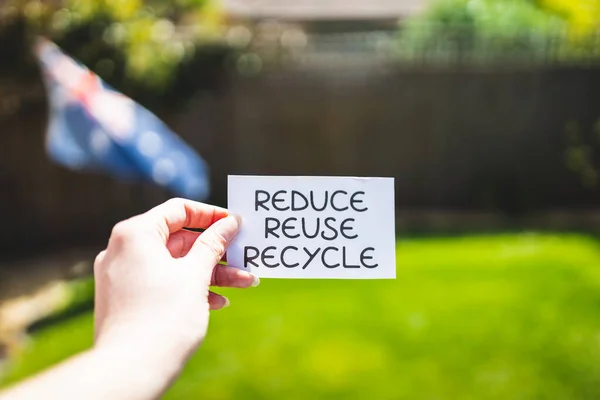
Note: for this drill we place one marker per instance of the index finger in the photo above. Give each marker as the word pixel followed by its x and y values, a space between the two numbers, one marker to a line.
pixel 176 214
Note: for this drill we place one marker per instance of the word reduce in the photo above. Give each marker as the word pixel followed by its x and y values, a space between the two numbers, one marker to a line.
pixel 325 229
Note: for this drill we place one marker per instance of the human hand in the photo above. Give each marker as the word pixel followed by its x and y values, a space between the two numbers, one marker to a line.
pixel 152 305
pixel 152 281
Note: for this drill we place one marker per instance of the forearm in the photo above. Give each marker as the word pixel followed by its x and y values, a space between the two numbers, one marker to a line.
pixel 152 305
pixel 124 371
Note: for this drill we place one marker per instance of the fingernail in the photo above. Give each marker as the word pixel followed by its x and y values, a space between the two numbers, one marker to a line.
pixel 255 280
pixel 227 302
pixel 228 227
pixel 237 217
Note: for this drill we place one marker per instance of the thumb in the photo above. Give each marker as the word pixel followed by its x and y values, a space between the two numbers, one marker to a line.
pixel 210 246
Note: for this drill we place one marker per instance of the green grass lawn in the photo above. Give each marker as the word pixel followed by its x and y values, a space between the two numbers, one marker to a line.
pixel 489 317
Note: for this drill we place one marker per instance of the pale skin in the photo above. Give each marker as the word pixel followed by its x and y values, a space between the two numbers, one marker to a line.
pixel 152 305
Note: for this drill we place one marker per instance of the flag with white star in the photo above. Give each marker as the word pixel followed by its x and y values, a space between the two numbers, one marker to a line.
pixel 92 127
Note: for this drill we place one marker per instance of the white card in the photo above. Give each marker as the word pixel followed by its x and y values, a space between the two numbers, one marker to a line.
pixel 313 227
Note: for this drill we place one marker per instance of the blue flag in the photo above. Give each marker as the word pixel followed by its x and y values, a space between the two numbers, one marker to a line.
pixel 92 127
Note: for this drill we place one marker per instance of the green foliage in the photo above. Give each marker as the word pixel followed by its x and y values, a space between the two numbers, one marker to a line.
pixel 483 29
pixel 141 47
pixel 491 317
pixel 583 16
pixel 581 152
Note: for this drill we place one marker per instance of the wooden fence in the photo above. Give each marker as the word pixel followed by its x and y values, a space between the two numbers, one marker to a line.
pixel 500 141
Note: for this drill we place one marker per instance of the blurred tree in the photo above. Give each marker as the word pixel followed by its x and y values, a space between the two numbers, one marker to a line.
pixel 583 16
pixel 144 48
pixel 488 29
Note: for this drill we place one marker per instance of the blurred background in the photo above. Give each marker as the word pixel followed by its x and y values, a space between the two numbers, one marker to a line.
pixel 486 112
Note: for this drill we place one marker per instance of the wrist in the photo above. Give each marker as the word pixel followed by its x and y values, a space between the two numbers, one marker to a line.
pixel 156 337
pixel 146 357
